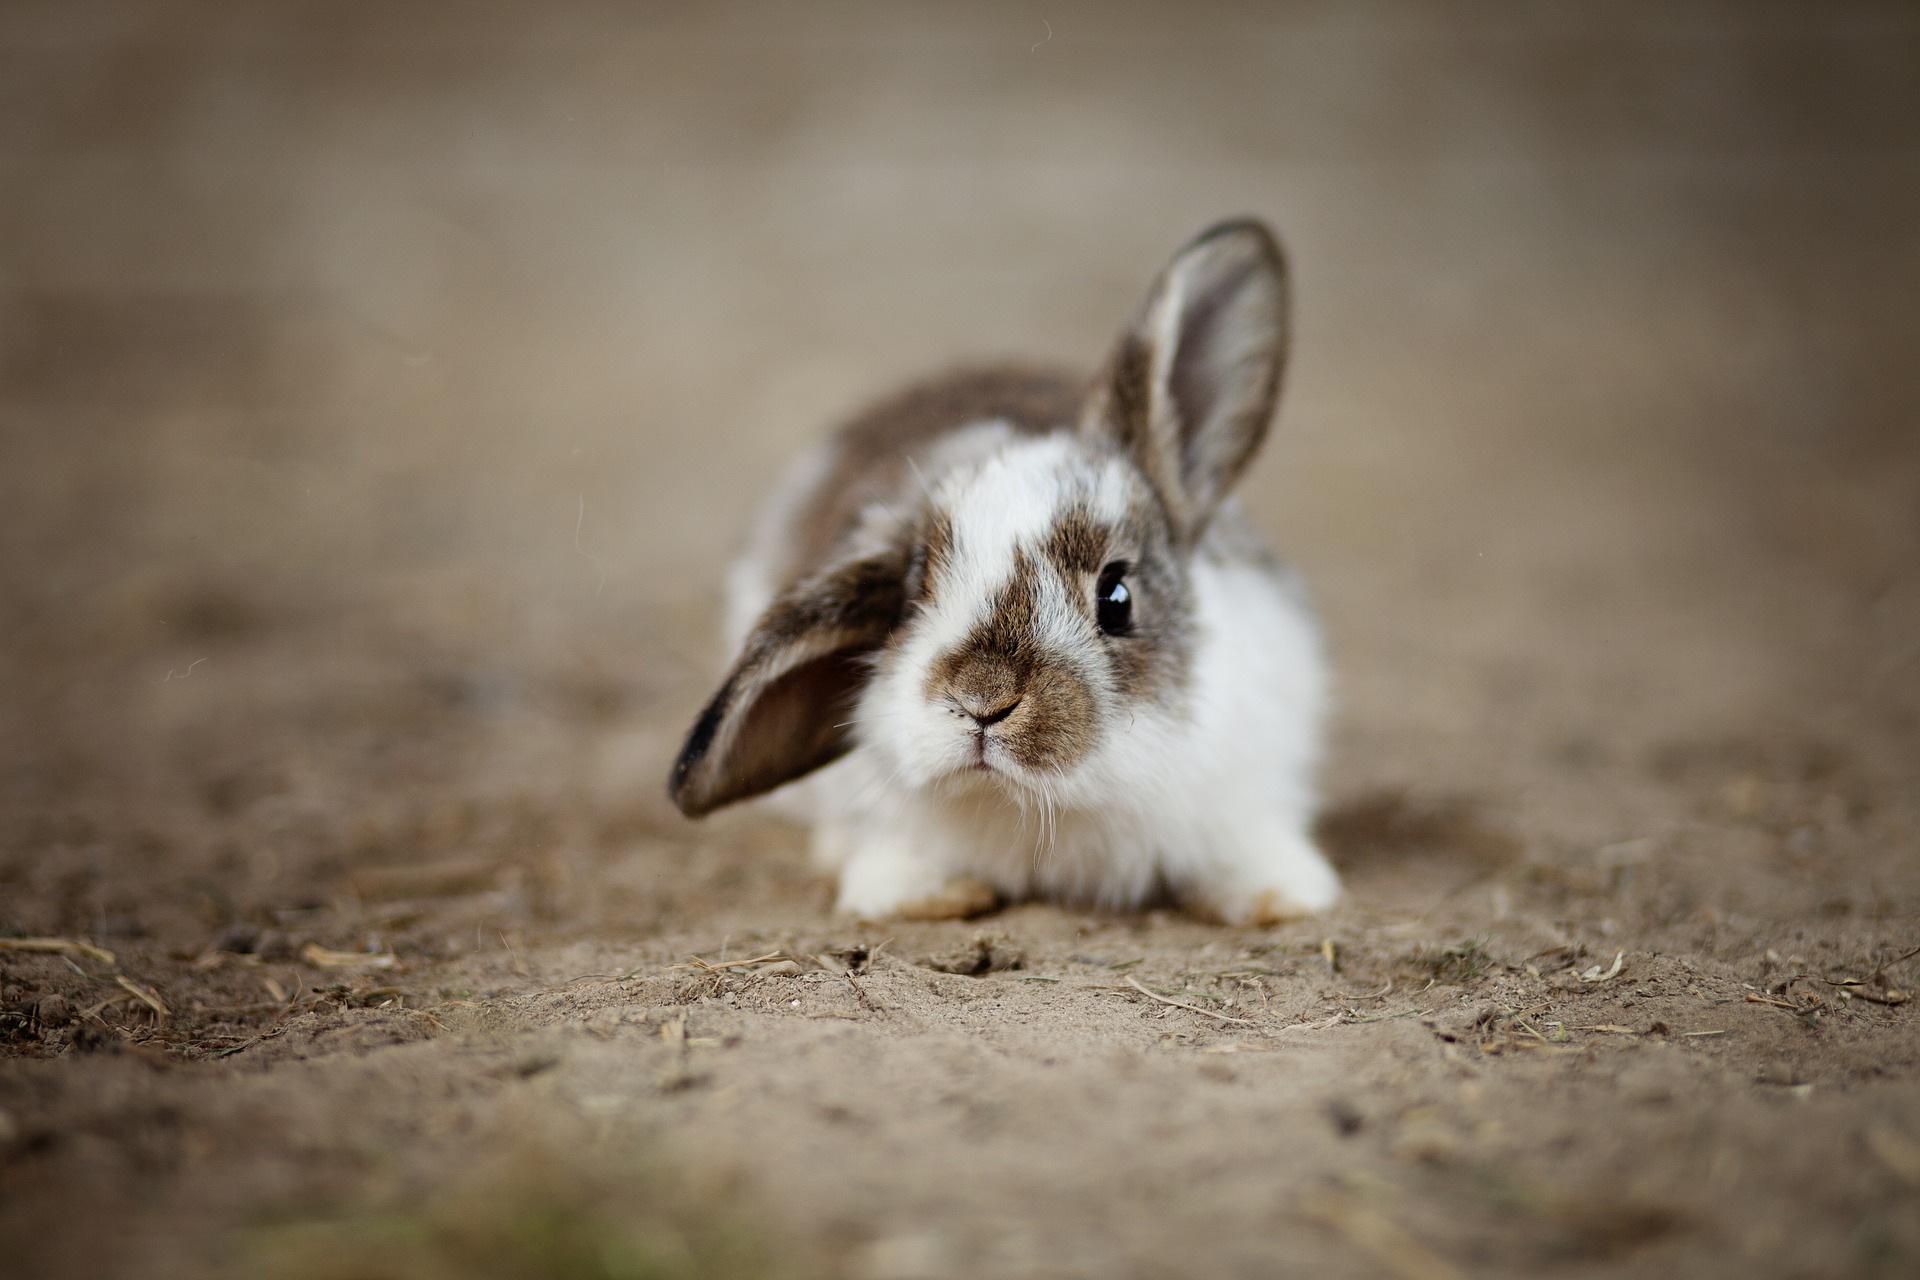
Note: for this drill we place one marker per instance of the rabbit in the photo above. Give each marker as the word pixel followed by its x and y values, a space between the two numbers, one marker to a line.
pixel 1021 629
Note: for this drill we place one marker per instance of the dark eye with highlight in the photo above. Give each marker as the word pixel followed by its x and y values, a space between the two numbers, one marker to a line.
pixel 1112 601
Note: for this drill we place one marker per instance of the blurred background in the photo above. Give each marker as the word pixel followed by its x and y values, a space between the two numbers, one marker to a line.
pixel 363 365
pixel 384 388
pixel 365 361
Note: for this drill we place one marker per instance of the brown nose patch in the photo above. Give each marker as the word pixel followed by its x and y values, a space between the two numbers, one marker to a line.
pixel 1053 724
pixel 982 686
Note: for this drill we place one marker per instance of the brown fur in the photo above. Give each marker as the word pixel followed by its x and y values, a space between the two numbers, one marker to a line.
pixel 1078 545
pixel 1121 412
pixel 874 452
pixel 934 558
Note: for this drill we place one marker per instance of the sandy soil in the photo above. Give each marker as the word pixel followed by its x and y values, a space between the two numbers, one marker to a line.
pixel 383 388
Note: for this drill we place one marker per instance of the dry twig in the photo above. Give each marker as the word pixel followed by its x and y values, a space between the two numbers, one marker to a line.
pixel 1350 1017
pixel 95 1010
pixel 1857 988
pixel 143 995
pixel 1778 1004
pixel 62 946
pixel 322 958
pixel 1181 1004
pixel 710 966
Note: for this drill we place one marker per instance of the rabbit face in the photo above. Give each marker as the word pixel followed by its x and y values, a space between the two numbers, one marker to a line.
pixel 1043 609
pixel 1025 611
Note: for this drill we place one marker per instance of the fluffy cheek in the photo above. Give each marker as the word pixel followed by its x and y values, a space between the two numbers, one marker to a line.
pixel 920 741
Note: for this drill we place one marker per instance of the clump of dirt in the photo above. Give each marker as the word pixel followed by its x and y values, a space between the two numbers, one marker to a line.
pixel 982 955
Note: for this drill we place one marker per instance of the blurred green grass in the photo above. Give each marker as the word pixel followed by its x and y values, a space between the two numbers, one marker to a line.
pixel 538 1217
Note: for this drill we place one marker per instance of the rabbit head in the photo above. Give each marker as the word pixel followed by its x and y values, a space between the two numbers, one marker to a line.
pixel 1020 609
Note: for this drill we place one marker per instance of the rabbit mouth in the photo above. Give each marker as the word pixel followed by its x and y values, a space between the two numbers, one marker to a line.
pixel 993 763
pixel 982 750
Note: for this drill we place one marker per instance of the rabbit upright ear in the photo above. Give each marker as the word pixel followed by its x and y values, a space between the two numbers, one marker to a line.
pixel 784 708
pixel 1192 384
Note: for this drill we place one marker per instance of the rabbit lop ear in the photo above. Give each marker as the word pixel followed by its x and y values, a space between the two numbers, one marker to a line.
pixel 1192 384
pixel 784 707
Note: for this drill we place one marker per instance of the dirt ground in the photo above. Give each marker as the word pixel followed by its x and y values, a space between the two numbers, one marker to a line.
pixel 383 389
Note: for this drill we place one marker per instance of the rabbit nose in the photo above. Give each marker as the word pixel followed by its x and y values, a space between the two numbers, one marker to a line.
pixel 992 717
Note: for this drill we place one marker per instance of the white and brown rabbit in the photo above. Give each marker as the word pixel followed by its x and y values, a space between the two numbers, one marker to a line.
pixel 1033 637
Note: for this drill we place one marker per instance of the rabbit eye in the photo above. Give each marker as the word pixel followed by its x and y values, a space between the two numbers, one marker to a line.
pixel 1113 603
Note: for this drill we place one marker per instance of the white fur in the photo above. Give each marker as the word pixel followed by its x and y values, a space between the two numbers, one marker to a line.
pixel 1212 797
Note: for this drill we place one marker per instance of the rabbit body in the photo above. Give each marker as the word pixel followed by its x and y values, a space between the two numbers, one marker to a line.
pixel 1008 637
